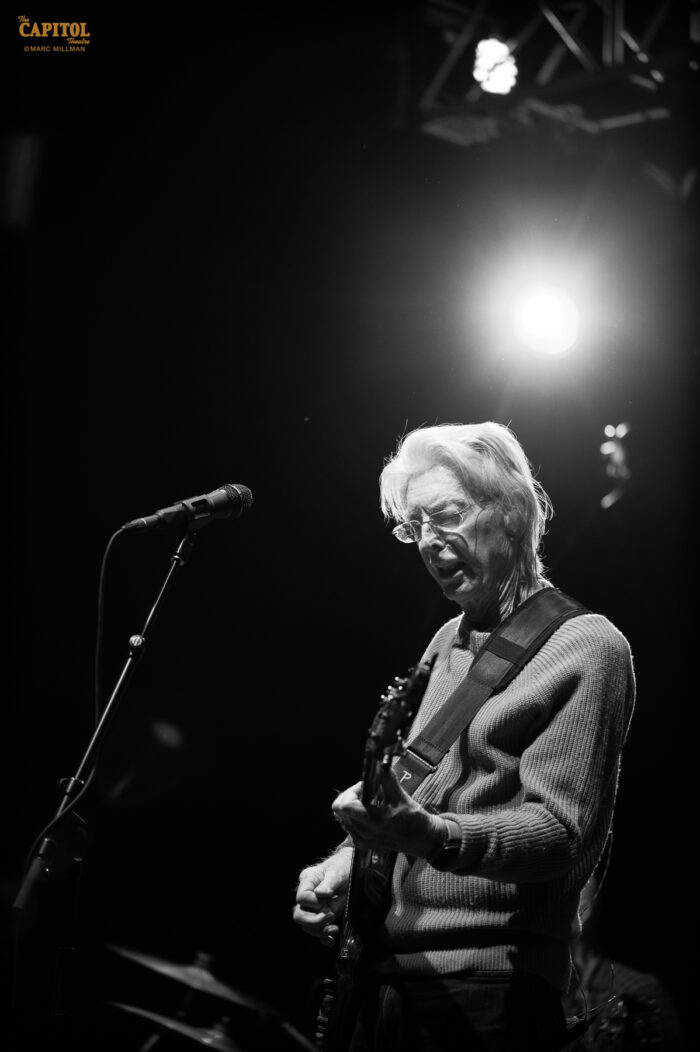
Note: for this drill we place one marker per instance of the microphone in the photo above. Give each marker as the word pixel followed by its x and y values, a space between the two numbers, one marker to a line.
pixel 231 499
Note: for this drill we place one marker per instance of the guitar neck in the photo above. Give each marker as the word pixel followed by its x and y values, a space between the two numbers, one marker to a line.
pixel 369 887
pixel 371 774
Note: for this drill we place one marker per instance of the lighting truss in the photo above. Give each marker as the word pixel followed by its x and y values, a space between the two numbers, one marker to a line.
pixel 588 66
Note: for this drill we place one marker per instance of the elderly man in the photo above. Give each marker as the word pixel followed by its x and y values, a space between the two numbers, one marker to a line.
pixel 496 845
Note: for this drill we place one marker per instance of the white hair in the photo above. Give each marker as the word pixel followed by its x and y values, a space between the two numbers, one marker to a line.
pixel 491 465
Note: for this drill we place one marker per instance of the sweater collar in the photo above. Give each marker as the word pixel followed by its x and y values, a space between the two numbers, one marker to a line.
pixel 469 638
pixel 473 638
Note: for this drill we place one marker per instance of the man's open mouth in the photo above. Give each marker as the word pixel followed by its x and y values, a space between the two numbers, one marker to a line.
pixel 449 570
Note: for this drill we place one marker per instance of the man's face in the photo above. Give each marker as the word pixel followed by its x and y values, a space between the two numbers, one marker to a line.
pixel 471 563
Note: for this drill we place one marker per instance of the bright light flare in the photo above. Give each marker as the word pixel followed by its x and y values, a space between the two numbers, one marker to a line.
pixel 494 67
pixel 617 431
pixel 540 303
pixel 547 320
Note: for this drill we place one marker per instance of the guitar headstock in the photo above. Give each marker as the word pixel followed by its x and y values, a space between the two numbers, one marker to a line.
pixel 392 722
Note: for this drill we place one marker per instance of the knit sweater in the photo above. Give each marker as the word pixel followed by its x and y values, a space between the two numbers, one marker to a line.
pixel 532 784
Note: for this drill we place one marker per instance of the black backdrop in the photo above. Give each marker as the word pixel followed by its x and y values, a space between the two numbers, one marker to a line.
pixel 239 266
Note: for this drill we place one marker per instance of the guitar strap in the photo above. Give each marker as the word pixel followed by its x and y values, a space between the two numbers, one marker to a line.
pixel 506 651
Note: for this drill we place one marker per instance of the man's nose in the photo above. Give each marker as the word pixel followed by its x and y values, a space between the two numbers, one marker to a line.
pixel 429 535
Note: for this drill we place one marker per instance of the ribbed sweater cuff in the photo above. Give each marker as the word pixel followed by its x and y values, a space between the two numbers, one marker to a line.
pixel 474 841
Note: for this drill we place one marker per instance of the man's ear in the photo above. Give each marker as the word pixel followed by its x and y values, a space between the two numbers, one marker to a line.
pixel 514 525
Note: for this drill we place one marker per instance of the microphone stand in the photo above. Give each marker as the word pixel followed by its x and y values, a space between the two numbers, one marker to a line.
pixel 46 859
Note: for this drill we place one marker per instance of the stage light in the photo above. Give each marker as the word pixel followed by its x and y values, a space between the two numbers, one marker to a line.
pixel 617 467
pixel 494 67
pixel 547 320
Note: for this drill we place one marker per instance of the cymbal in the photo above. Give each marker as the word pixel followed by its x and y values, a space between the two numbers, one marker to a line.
pixel 217 1036
pixel 212 1037
pixel 198 977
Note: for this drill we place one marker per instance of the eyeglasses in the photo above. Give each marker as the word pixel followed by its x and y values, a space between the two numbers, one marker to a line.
pixel 411 531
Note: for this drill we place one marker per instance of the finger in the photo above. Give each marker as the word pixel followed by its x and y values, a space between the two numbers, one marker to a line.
pixel 306 891
pixel 362 829
pixel 330 909
pixel 312 922
pixel 310 905
pixel 349 812
pixel 307 899
pixel 333 883
pixel 328 888
pixel 348 796
pixel 330 934
pixel 393 793
pixel 309 878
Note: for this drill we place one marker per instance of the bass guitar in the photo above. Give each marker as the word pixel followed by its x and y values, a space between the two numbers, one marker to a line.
pixel 370 876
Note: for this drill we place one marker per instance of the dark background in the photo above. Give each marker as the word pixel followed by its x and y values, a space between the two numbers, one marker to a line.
pixel 239 260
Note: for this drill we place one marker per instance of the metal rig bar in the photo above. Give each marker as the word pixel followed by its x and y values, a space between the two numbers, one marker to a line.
pixel 553 61
pixel 655 24
pixel 516 43
pixel 453 56
pixel 575 46
pixel 613 28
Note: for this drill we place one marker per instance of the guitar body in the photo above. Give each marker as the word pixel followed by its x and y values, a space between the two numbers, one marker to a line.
pixel 369 890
